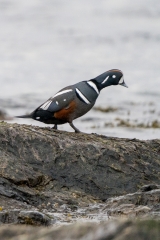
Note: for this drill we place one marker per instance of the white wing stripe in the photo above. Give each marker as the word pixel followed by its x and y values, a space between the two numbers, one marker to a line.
pixel 105 80
pixel 82 96
pixel 93 85
pixel 64 91
pixel 46 105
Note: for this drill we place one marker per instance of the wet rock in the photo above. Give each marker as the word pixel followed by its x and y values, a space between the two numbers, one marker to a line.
pixel 138 204
pixel 7 217
pixel 26 217
pixel 4 116
pixel 34 218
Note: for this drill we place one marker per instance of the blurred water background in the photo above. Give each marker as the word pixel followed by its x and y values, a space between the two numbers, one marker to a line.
pixel 47 45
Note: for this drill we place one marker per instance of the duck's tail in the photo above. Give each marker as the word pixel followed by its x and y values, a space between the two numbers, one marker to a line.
pixel 25 116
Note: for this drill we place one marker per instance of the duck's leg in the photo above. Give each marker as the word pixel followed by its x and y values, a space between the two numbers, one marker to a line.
pixel 55 127
pixel 76 129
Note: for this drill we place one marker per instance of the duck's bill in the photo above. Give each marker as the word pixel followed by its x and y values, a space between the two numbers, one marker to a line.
pixel 123 84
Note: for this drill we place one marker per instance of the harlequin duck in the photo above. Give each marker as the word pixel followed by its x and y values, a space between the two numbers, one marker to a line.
pixel 76 100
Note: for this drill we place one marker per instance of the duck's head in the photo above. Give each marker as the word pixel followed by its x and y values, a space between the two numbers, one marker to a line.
pixel 111 77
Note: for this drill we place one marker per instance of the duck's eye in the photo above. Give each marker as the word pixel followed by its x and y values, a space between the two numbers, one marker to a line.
pixel 114 76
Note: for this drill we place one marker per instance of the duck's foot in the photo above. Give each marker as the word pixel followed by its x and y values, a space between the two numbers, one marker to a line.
pixel 55 127
pixel 76 129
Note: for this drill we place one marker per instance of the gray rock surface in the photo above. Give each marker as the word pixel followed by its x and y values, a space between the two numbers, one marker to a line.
pixel 97 165
pixel 50 177
pixel 34 218
pixel 136 205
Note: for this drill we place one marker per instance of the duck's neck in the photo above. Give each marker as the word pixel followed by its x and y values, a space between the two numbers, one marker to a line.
pixel 101 84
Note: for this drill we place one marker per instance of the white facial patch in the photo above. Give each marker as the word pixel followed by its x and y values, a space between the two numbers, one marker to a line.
pixel 105 80
pixel 46 105
pixel 114 76
pixel 62 92
pixel 121 80
pixel 82 96
pixel 57 102
pixel 93 85
pixel 37 118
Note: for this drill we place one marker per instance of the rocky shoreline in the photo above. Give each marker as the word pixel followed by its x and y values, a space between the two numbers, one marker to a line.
pixel 52 178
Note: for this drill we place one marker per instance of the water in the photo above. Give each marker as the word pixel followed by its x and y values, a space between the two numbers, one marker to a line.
pixel 47 45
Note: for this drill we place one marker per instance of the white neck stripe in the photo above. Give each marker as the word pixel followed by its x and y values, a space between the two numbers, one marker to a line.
pixel 62 92
pixel 82 96
pixel 121 80
pixel 105 80
pixel 93 85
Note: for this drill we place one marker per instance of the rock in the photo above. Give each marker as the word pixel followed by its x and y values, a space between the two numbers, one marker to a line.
pixel 134 205
pixel 4 116
pixel 97 165
pixel 53 177
pixel 149 187
pixel 26 217
pixel 34 218
pixel 8 217
pixel 115 230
